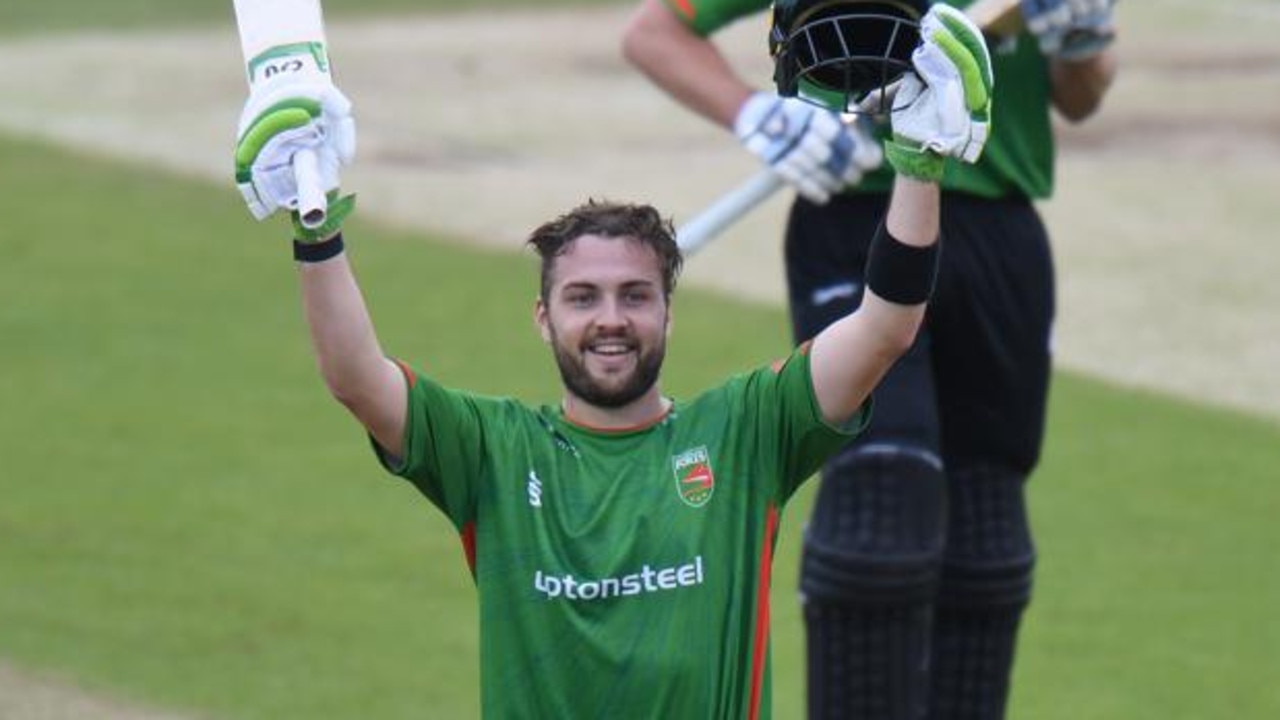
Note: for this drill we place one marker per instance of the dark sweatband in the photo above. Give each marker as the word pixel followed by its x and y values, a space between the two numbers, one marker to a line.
pixel 313 252
pixel 898 272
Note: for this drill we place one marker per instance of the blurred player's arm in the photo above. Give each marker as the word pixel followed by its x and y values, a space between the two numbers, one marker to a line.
pixel 1080 85
pixel 686 65
pixel 1077 36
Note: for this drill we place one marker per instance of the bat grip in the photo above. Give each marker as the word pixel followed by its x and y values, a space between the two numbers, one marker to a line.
pixel 313 207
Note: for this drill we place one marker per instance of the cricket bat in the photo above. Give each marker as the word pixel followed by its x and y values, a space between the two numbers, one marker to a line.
pixel 999 18
pixel 286 36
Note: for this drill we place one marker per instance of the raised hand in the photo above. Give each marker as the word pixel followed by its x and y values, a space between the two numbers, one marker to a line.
pixel 1070 29
pixel 806 145
pixel 293 112
pixel 943 108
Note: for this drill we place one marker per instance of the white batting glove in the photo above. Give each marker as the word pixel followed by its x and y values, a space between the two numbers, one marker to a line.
pixel 943 109
pixel 295 108
pixel 1070 29
pixel 806 145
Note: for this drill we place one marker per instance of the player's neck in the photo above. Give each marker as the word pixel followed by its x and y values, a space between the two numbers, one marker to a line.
pixel 643 411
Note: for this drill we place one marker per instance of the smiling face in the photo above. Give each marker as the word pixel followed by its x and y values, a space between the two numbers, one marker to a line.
pixel 606 318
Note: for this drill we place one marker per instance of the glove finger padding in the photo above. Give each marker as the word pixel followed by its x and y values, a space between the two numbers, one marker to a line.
pixel 1070 29
pixel 279 121
pixel 806 145
pixel 944 108
pixel 1045 16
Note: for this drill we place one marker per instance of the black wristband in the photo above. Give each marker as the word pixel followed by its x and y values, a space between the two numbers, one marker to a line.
pixel 314 252
pixel 898 272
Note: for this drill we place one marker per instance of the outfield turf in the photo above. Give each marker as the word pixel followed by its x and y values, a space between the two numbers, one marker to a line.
pixel 189 521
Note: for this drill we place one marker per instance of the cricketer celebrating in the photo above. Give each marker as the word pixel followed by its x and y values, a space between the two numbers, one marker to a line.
pixel 621 540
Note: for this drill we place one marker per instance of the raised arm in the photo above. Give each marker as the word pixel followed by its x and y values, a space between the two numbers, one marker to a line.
pixel 851 355
pixel 1080 85
pixel 346 347
pixel 289 114
pixel 942 110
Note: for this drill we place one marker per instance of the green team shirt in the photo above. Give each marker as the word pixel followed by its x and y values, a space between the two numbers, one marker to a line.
pixel 1019 156
pixel 622 574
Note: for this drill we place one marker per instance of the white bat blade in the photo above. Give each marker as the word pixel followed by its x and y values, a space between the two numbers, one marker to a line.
pixel 267 24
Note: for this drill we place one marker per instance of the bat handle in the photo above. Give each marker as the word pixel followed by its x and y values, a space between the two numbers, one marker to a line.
pixel 313 207
pixel 727 210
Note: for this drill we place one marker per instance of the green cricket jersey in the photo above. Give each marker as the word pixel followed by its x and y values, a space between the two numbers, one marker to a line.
pixel 622 574
pixel 1019 156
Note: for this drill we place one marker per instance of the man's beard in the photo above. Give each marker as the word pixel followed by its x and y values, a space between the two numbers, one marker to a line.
pixel 576 377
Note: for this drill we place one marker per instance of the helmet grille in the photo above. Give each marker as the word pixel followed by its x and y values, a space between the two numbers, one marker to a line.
pixel 843 51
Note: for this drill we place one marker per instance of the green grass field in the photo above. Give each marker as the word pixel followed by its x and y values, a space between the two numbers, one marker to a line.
pixel 187 521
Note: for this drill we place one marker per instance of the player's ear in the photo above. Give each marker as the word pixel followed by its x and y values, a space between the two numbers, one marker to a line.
pixel 541 320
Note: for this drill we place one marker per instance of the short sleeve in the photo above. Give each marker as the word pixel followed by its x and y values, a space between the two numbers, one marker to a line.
pixel 444 443
pixel 789 418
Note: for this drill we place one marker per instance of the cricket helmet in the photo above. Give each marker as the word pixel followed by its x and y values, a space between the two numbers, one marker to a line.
pixel 836 52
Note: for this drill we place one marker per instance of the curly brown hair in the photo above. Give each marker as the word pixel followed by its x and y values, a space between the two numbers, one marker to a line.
pixel 638 222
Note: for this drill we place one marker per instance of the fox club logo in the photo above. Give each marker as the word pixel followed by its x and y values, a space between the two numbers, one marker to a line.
pixel 694 480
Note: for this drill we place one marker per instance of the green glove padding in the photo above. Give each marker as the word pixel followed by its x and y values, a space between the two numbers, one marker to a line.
pixel 909 159
pixel 339 209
